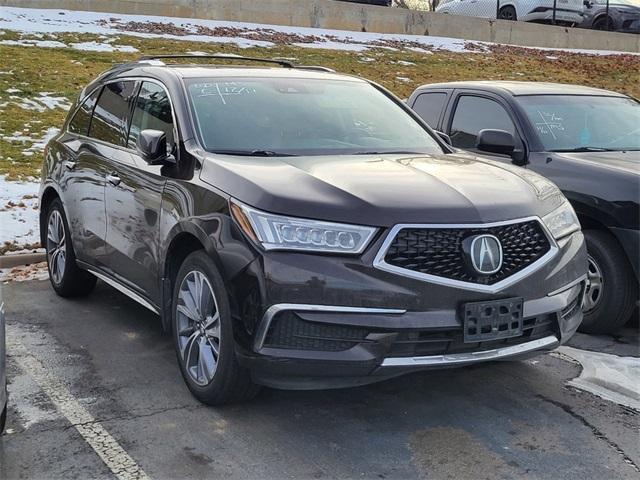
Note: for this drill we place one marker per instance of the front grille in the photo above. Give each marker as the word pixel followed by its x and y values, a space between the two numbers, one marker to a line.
pixel 291 332
pixel 438 251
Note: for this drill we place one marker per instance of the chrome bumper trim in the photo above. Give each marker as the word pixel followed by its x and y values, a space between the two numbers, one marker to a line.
pixel 461 358
pixel 567 286
pixel 271 312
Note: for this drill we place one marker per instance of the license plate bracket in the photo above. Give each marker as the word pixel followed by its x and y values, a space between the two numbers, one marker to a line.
pixel 492 320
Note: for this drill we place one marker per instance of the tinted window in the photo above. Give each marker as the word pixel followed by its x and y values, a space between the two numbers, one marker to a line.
pixel 474 114
pixel 81 120
pixel 152 111
pixel 110 116
pixel 302 116
pixel 429 106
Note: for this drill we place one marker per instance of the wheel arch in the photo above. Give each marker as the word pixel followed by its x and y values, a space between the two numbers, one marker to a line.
pixel 49 194
pixel 184 240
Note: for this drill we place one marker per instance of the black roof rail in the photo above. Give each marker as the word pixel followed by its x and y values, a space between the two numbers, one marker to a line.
pixel 218 56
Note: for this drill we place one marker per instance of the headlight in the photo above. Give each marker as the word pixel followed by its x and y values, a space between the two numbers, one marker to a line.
pixel 277 232
pixel 562 221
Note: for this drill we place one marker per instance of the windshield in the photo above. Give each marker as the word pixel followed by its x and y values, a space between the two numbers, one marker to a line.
pixel 574 122
pixel 301 116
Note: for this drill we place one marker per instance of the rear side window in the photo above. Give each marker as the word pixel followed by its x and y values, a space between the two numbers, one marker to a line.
pixel 429 106
pixel 80 122
pixel 152 111
pixel 474 114
pixel 110 116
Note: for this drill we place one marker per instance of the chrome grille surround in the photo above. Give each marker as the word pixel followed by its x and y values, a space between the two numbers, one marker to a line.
pixel 380 263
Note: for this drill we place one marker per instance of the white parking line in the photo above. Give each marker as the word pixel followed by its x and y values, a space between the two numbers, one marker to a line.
pixel 107 448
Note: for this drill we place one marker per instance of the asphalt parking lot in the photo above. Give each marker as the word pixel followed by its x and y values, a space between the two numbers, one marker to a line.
pixel 95 392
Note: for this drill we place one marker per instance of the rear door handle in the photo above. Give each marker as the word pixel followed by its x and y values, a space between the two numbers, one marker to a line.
pixel 113 179
pixel 69 165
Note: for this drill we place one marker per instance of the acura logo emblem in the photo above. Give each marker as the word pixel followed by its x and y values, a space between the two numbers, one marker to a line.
pixel 486 254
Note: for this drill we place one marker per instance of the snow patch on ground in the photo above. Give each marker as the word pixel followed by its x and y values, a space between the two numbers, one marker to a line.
pixel 37 143
pixel 19 213
pixel 39 103
pixel 86 46
pixel 50 21
pixel 103 47
pixel 608 376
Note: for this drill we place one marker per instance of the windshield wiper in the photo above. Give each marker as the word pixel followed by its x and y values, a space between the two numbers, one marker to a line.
pixel 254 153
pixel 583 149
pixel 391 152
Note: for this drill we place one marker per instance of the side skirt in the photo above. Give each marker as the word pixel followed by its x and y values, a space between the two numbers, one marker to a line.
pixel 120 287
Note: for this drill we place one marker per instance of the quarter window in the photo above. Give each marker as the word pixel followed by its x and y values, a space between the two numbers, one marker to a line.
pixel 111 113
pixel 473 114
pixel 152 111
pixel 80 122
pixel 429 106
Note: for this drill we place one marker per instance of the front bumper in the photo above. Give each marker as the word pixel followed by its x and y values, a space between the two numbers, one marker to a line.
pixel 353 324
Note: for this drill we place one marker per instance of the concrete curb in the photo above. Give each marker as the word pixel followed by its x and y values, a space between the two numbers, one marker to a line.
pixel 10 261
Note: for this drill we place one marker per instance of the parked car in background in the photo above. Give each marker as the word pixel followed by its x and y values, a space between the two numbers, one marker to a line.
pixel 587 141
pixel 3 368
pixel 298 228
pixel 567 12
pixel 621 16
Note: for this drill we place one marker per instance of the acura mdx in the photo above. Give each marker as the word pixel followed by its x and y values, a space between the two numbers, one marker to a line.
pixel 298 228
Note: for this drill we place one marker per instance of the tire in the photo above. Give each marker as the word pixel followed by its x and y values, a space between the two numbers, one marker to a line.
pixel 213 378
pixel 3 419
pixel 602 23
pixel 67 279
pixel 611 287
pixel 508 13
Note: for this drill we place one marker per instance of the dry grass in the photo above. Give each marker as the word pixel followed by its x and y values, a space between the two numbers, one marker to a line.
pixel 64 71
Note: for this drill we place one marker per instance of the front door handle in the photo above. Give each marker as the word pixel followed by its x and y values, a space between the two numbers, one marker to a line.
pixel 113 179
pixel 70 165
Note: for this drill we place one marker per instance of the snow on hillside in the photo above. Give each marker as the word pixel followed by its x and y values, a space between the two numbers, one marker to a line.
pixel 50 21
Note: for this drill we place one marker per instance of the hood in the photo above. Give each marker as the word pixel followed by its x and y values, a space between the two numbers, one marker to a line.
pixel 626 162
pixel 381 190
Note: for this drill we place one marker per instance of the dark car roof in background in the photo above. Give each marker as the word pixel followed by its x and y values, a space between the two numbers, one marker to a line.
pixel 525 88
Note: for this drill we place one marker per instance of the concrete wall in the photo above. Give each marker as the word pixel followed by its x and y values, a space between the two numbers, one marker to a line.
pixel 351 16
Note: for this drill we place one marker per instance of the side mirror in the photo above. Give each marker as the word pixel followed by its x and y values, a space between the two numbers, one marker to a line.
pixel 152 147
pixel 587 3
pixel 496 141
pixel 444 137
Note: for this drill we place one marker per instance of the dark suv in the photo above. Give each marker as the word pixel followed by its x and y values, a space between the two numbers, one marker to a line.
pixel 587 141
pixel 298 228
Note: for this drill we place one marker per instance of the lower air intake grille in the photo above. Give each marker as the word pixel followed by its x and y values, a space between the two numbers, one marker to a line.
pixel 291 332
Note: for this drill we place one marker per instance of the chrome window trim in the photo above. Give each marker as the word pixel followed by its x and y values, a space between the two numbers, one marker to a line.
pixel 263 327
pixel 381 264
pixel 472 357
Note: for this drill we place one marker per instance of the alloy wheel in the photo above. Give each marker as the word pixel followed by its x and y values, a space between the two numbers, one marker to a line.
pixel 198 325
pixel 56 246
pixel 595 285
